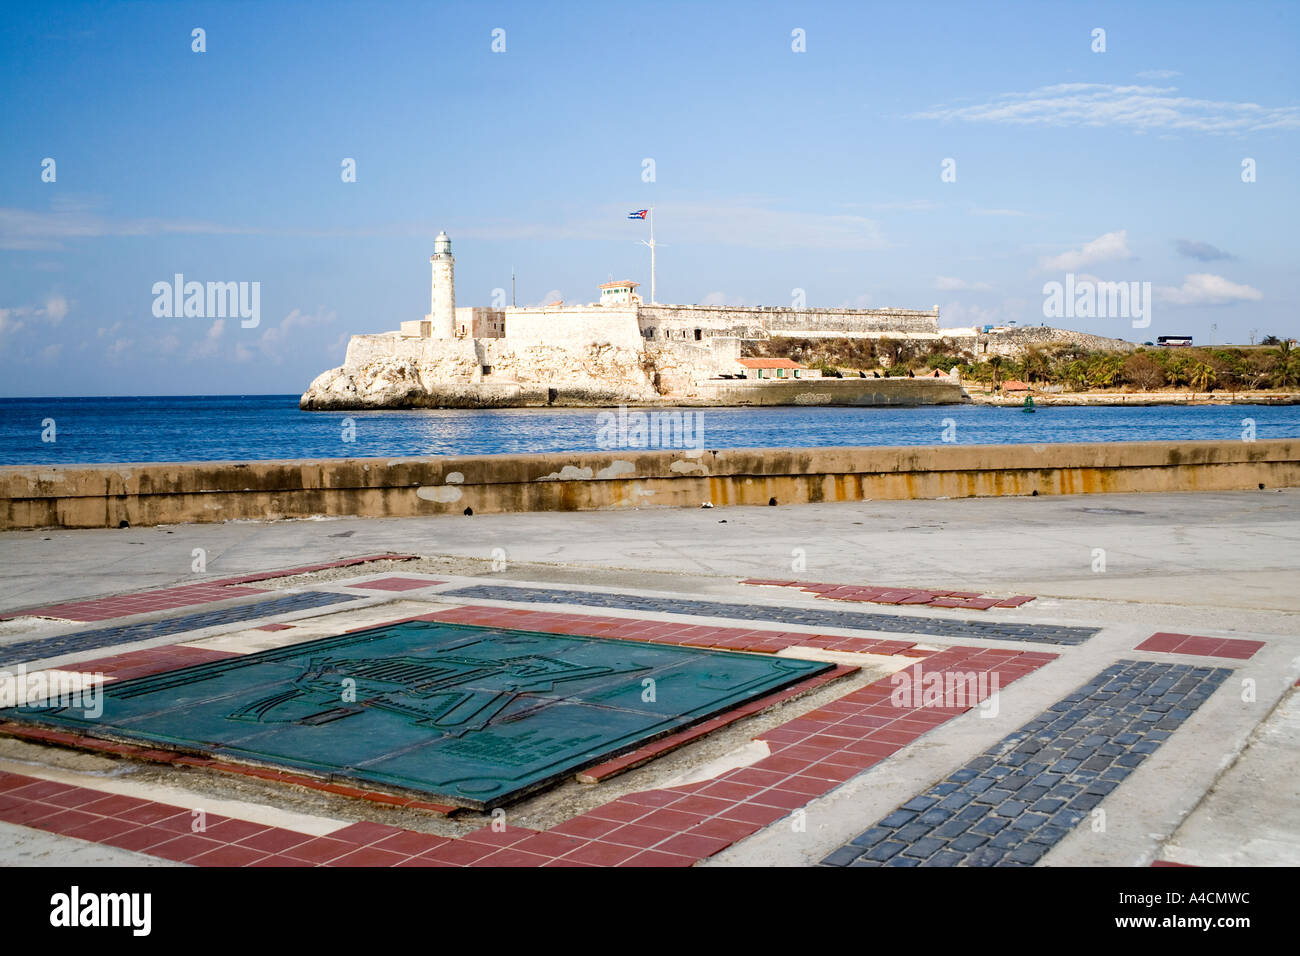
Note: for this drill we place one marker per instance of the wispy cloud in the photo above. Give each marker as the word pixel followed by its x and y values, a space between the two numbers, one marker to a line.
pixel 70 220
pixel 52 312
pixel 1202 288
pixel 1158 74
pixel 1133 107
pixel 1201 251
pixel 1113 245
pixel 748 223
pixel 997 212
pixel 949 284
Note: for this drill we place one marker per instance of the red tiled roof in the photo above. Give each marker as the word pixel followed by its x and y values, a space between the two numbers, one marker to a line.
pixel 620 284
pixel 1014 385
pixel 769 363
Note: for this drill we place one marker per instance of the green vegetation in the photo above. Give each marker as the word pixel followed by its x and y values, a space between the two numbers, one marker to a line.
pixel 1217 368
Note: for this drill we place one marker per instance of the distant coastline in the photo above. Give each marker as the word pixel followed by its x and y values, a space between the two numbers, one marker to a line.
pixel 1111 397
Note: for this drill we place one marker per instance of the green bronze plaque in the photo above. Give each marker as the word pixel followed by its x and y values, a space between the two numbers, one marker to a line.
pixel 471 716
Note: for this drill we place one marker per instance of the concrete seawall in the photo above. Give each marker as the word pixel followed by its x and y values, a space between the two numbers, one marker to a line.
pixel 831 391
pixel 105 496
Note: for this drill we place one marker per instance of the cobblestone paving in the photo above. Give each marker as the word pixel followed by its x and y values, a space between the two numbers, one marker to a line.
pixel 813 617
pixel 146 630
pixel 1017 800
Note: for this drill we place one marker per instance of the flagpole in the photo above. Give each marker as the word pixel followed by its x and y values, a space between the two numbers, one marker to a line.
pixel 652 255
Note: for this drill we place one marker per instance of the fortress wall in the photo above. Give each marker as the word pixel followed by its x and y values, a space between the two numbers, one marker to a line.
pixel 574 326
pixel 392 347
pixel 745 322
pixel 102 496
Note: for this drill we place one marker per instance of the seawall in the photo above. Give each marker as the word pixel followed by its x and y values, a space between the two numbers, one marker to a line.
pixel 105 496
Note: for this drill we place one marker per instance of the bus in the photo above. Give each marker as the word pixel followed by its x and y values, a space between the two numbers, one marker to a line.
pixel 1171 341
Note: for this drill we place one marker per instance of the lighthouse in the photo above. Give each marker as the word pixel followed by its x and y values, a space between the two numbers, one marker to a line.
pixel 442 291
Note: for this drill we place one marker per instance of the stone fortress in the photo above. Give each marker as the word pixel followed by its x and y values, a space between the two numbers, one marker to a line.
pixel 618 350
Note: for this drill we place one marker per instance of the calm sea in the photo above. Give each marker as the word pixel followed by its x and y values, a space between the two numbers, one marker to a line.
pixel 198 428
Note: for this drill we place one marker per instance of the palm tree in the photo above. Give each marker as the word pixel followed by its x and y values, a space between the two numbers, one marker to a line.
pixel 995 363
pixel 1202 377
pixel 1037 366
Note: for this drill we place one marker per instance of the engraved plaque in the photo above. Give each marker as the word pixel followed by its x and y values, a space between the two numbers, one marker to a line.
pixel 472 716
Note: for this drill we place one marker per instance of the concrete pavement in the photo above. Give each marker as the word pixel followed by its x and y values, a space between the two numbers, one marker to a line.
pixel 1218 789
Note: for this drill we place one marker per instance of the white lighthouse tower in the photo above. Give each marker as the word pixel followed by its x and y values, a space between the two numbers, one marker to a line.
pixel 442 293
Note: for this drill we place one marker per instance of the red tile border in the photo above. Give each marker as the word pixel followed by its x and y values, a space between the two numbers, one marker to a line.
pixel 184 595
pixel 929 597
pixel 666 632
pixel 663 745
pixel 1228 647
pixel 61 738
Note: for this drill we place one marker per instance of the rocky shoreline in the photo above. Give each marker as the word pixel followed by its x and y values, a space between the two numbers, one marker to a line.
pixel 1139 398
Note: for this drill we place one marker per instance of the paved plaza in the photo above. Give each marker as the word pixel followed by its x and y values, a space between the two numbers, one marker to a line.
pixel 1108 680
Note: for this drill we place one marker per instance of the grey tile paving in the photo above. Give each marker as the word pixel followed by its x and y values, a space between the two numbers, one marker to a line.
pixel 812 617
pixel 145 630
pixel 1106 727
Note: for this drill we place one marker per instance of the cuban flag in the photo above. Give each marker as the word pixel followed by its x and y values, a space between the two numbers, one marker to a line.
pixel 639 214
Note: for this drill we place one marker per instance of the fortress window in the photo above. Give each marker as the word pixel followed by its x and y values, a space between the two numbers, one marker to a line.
pixel 699 334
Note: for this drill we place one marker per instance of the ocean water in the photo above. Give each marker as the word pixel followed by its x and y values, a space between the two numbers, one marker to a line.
pixel 260 427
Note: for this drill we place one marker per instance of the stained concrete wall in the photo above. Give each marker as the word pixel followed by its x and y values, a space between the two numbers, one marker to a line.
pixel 831 391
pixel 99 496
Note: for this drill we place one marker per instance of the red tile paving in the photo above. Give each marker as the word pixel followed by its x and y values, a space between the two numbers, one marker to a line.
pixel 143 602
pixel 929 597
pixel 1201 646
pixel 664 745
pixel 396 584
pixel 678 826
pixel 667 632
pixel 186 595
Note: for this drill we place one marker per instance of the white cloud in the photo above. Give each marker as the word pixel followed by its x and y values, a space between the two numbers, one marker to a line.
pixel 1203 288
pixel 1158 74
pixel 721 298
pixel 555 295
pixel 207 347
pixel 1113 245
pixel 56 308
pixel 280 340
pixel 957 315
pixel 1133 107
pixel 950 284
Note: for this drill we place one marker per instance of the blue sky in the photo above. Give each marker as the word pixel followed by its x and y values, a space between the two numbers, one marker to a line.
pixel 774 169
